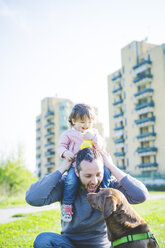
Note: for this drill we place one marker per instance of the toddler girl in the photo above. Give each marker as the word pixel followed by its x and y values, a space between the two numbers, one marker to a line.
pixel 78 137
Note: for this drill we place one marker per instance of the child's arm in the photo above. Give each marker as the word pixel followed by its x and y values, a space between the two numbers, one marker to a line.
pixel 96 139
pixel 63 147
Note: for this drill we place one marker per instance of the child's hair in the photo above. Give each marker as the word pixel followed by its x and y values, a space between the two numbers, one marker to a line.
pixel 79 111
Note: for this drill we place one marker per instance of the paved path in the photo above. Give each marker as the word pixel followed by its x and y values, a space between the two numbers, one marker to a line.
pixel 7 213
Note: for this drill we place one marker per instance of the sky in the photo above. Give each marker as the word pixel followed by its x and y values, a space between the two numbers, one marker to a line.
pixel 65 49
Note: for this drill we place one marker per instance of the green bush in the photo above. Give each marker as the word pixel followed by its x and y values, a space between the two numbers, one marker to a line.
pixel 14 177
pixel 155 187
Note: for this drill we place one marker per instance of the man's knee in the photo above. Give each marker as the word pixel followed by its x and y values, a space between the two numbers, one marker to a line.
pixel 49 239
pixel 40 241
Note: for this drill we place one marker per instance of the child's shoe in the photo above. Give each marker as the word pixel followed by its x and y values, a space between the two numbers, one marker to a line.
pixel 66 213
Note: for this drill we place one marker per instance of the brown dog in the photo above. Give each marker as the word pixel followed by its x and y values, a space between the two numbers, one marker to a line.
pixel 121 220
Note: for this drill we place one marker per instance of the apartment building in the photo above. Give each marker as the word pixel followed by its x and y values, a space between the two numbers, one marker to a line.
pixel 137 118
pixel 52 121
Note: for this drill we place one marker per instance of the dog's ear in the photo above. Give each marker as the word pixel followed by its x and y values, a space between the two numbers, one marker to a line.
pixel 109 206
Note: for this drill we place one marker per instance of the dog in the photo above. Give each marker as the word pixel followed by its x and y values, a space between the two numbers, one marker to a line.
pixel 124 225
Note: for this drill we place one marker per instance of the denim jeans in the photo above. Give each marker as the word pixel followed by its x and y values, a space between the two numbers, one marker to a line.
pixel 70 187
pixel 52 240
pixel 106 179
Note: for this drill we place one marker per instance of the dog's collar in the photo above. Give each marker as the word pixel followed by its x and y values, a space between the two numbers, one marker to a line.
pixel 131 238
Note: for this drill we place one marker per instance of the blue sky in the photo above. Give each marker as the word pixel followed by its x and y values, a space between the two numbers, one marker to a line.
pixel 64 48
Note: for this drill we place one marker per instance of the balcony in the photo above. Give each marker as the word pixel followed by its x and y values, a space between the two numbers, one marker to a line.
pixel 117 102
pixel 38 138
pixel 49 154
pixel 145 61
pixel 49 144
pixel 143 120
pixel 119 154
pixel 118 128
pixel 144 105
pixel 49 124
pixel 38 165
pixel 146 149
pixel 49 134
pixel 50 164
pixel 117 89
pixel 38 155
pixel 122 167
pixel 118 115
pixel 141 92
pixel 147 165
pixel 139 78
pixel 116 77
pixel 143 135
pixel 117 141
pixel 38 120
pixel 49 114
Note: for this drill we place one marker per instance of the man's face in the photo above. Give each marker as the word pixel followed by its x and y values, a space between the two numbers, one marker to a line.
pixel 91 174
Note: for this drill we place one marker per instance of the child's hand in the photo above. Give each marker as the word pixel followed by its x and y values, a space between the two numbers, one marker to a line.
pixel 88 135
pixel 69 156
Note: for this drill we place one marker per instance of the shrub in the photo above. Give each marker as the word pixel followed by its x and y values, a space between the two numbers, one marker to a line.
pixel 14 177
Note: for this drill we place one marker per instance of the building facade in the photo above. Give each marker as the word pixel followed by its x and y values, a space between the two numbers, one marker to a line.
pixel 137 118
pixel 52 121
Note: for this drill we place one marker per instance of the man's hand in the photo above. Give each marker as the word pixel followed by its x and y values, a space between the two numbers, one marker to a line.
pixel 69 156
pixel 107 159
pixel 108 162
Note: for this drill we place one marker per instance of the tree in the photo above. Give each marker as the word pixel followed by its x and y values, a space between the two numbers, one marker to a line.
pixel 14 177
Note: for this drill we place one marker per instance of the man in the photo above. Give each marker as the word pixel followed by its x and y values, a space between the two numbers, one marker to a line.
pixel 87 228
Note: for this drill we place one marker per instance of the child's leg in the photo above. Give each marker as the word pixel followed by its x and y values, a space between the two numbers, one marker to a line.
pixel 70 188
pixel 106 179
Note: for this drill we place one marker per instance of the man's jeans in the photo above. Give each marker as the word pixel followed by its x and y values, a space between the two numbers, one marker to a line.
pixel 52 240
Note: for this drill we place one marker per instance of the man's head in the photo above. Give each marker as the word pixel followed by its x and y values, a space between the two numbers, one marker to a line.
pixel 89 168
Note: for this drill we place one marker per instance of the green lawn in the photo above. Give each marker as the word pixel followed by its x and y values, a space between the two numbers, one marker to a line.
pixel 21 233
pixel 153 211
pixel 12 201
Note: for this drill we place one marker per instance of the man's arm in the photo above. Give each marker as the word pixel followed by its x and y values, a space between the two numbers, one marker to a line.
pixel 134 190
pixel 49 189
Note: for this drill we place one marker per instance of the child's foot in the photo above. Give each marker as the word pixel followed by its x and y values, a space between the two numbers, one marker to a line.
pixel 66 213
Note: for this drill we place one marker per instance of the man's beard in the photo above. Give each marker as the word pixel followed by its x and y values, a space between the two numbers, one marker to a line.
pixel 91 188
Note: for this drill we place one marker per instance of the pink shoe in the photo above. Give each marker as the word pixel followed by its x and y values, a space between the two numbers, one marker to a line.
pixel 66 213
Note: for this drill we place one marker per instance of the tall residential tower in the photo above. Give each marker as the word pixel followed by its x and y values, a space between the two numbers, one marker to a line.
pixel 52 121
pixel 137 118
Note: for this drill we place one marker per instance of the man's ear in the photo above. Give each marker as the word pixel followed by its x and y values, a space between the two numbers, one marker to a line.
pixel 109 206
pixel 76 171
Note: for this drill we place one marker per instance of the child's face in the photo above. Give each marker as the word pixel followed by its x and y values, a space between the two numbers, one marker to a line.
pixel 82 124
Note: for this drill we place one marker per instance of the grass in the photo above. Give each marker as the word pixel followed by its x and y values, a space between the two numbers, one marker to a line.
pixel 12 201
pixel 21 233
pixel 153 211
